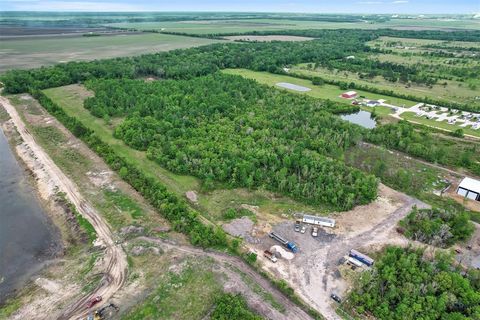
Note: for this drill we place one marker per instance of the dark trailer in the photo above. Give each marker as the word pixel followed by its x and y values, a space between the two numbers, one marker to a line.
pixel 362 257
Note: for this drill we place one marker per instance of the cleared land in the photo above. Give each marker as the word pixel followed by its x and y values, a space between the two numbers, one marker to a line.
pixel 31 53
pixel 242 26
pixel 325 91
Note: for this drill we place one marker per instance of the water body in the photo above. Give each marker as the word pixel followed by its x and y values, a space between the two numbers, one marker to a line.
pixel 27 236
pixel 362 118
pixel 292 86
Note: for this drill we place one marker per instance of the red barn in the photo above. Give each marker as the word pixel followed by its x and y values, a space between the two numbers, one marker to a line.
pixel 349 95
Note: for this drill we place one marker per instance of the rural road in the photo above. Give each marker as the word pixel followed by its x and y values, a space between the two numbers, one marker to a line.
pixel 114 258
pixel 292 311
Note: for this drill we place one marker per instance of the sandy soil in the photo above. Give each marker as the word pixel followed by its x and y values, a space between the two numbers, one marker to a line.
pixel 314 272
pixel 51 178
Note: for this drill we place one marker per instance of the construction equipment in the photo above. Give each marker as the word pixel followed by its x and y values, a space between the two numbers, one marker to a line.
pixel 289 245
pixel 270 256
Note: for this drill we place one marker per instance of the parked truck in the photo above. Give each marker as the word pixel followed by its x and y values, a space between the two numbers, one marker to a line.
pixel 289 245
pixel 270 256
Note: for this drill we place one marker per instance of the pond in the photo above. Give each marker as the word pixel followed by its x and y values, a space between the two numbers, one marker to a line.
pixel 27 236
pixel 362 118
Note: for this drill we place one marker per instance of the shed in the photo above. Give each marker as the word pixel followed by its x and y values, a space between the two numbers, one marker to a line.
pixel 320 221
pixel 469 188
pixel 349 95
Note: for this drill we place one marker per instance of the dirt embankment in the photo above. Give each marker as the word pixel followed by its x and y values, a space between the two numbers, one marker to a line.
pixel 50 179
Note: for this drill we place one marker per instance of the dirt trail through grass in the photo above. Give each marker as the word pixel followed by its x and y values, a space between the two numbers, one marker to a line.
pixel 115 260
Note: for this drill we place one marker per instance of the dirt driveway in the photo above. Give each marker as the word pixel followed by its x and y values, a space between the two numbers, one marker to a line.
pixel 314 272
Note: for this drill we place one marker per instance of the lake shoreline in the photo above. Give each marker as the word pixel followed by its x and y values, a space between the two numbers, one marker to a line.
pixel 36 221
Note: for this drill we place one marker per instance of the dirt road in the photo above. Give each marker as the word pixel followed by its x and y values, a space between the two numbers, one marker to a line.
pixel 114 259
pixel 318 272
pixel 292 310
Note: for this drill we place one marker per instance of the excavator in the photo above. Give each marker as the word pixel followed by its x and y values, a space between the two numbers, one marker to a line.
pixel 101 313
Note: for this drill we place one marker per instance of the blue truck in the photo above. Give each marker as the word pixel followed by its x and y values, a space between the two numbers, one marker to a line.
pixel 289 245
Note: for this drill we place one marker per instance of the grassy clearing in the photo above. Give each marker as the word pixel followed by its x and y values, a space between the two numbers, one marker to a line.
pixel 454 91
pixel 32 53
pixel 187 294
pixel 211 204
pixel 325 91
pixel 411 116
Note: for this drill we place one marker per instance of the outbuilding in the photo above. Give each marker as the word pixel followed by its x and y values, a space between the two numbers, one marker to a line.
pixel 349 95
pixel 318 221
pixel 469 188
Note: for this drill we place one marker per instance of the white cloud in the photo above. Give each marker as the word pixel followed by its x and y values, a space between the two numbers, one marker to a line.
pixel 400 1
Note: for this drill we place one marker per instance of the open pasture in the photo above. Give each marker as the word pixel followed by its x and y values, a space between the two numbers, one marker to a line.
pixel 33 53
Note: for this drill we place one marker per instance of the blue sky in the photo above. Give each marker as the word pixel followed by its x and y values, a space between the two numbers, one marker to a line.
pixel 310 6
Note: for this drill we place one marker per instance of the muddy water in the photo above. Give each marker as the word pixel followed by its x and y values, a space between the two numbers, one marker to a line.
pixel 27 236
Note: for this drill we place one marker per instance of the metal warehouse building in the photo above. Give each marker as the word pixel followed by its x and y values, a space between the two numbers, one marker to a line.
pixel 469 188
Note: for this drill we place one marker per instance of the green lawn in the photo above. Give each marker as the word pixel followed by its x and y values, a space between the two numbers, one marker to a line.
pixel 325 91
pixel 32 53
pixel 411 116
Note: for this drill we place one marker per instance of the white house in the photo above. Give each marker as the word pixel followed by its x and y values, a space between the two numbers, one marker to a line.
pixel 469 188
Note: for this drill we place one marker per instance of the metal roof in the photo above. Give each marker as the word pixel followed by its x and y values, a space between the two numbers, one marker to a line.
pixel 470 184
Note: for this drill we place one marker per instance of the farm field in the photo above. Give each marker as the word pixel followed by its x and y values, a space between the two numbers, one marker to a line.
pixel 200 27
pixel 33 53
pixel 325 91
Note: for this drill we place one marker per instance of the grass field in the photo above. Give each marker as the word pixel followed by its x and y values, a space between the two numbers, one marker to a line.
pixel 325 91
pixel 31 53
pixel 211 204
pixel 454 91
pixel 241 26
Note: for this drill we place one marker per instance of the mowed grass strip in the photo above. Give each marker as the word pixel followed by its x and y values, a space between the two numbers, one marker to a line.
pixel 325 91
pixel 71 99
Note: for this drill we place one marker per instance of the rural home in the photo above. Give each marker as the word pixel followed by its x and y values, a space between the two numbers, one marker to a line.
pixel 349 95
pixel 469 188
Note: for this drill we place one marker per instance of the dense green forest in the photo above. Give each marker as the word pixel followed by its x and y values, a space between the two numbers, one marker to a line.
pixel 405 285
pixel 438 227
pixel 232 130
pixel 421 143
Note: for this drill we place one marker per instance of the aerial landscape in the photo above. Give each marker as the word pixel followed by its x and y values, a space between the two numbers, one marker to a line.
pixel 254 160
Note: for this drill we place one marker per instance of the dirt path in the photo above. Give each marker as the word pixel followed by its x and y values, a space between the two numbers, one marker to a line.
pixel 114 257
pixel 315 276
pixel 292 310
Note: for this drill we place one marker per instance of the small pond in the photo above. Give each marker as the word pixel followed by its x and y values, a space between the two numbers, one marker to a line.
pixel 362 118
